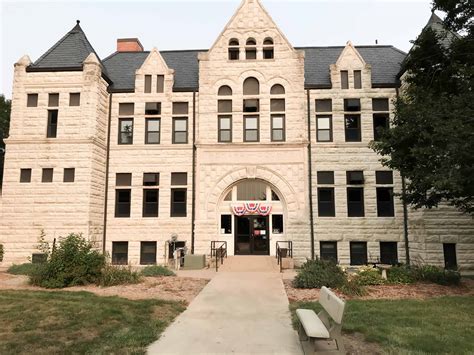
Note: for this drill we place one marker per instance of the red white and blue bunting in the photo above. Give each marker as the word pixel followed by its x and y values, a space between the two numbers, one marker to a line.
pixel 252 208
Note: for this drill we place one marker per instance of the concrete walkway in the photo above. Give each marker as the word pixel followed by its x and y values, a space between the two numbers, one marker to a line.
pixel 236 313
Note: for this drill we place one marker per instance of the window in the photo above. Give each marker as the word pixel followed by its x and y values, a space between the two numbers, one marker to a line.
pixel 123 179
pixel 344 79
pixel 180 179
pixel 450 260
pixel 153 108
pixel 355 202
pixel 380 105
pixel 228 197
pixel 324 128
pixel 52 128
pixel 225 90
pixel 32 100
pixel 74 99
pixel 388 253
pixel 178 202
pixel 151 179
pixel 380 123
pixel 352 105
pixel 150 202
pixel 180 130
pixel 69 174
pixel 355 177
pixel 251 105
pixel 384 177
pixel 224 106
pixel 277 224
pixel 39 258
pixel 385 202
pixel 358 253
pixel 357 79
pixel 122 203
pixel 277 89
pixel 251 49
pixel 234 49
pixel 147 253
pixel 126 131
pixel 47 175
pixel 53 100
pixel 326 206
pixel 147 84
pixel 225 129
pixel 251 126
pixel 120 253
pixel 160 84
pixel 352 125
pixel 126 109
pixel 180 108
pixel 25 175
pixel 277 105
pixel 226 224
pixel 152 130
pixel 328 251
pixel 325 177
pixel 275 196
pixel 251 190
pixel 251 86
pixel 278 128
pixel 268 51
pixel 324 105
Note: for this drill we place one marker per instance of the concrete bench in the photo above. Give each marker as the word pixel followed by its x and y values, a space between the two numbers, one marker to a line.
pixel 321 333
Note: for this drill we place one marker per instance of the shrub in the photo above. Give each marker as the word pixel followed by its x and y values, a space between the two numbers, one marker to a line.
pixel 402 274
pixel 437 275
pixel 1 252
pixel 73 262
pixel 318 273
pixel 112 276
pixel 23 269
pixel 157 270
pixel 353 288
pixel 369 276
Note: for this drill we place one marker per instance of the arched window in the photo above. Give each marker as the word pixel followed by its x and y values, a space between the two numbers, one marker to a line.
pixel 277 89
pixel 225 90
pixel 234 49
pixel 224 117
pixel 251 49
pixel 251 86
pixel 251 110
pixel 268 50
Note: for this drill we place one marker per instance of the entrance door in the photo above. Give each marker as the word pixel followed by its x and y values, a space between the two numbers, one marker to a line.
pixel 252 235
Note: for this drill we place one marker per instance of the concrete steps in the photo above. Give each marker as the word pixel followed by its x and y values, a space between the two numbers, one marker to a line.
pixel 249 263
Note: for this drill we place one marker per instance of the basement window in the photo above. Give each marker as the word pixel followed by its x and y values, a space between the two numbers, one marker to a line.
pixel 388 253
pixel 148 253
pixel 358 253
pixel 120 253
pixel 328 251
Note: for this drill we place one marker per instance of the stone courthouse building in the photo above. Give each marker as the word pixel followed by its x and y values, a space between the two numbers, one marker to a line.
pixel 251 142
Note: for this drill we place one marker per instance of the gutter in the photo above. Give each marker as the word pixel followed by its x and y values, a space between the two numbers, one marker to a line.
pixel 107 164
pixel 310 175
pixel 193 206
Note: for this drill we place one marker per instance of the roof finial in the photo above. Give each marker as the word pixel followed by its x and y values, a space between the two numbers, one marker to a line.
pixel 78 21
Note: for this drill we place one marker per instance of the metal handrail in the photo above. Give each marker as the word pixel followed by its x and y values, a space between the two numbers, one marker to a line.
pixel 219 252
pixel 279 252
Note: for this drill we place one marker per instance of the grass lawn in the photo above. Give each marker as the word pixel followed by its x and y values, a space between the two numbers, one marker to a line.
pixel 436 325
pixel 80 322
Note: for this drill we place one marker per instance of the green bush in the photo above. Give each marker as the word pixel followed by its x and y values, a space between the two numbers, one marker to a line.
pixel 23 269
pixel 369 276
pixel 437 275
pixel 353 288
pixel 72 263
pixel 112 276
pixel 1 252
pixel 157 270
pixel 402 274
pixel 318 273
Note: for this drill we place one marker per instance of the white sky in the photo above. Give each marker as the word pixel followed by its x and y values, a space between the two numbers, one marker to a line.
pixel 32 27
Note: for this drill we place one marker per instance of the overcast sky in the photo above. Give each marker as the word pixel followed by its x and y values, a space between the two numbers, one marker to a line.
pixel 32 27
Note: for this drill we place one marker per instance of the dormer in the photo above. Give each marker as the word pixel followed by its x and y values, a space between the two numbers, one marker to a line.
pixel 351 72
pixel 154 76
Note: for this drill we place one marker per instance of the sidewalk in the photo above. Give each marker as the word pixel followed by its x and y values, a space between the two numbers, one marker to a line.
pixel 238 313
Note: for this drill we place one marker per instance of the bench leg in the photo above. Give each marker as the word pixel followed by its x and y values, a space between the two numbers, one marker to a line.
pixel 301 333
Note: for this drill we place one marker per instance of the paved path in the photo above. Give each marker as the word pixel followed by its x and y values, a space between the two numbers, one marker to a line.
pixel 236 313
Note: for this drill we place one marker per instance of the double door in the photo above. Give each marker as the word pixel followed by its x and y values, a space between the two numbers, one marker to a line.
pixel 252 235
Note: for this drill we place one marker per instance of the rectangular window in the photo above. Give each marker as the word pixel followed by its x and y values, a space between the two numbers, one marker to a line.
pixel 178 203
pixel 388 253
pixel 355 202
pixel 226 224
pixel 69 174
pixel 381 122
pixel 152 130
pixel 450 260
pixel 224 106
pixel 344 79
pixel 125 131
pixel 251 53
pixel 123 179
pixel 384 177
pixel 251 105
pixel 251 124
pixel 179 179
pixel 147 84
pixel 180 108
pixel 354 177
pixel 32 100
pixel 74 99
pixel 120 253
pixel 352 105
pixel 277 223
pixel 385 202
pixel 352 128
pixel 122 202
pixel 357 79
pixel 328 251
pixel 47 175
pixel 358 253
pixel 324 128
pixel 52 129
pixel 180 130
pixel 277 105
pixel 324 105
pixel 126 109
pixel 380 105
pixel 25 175
pixel 234 53
pixel 326 205
pixel 148 253
pixel 150 202
pixel 325 177
pixel 278 128
pixel 160 84
pixel 53 100
pixel 153 108
pixel 151 179
pixel 225 129
pixel 268 53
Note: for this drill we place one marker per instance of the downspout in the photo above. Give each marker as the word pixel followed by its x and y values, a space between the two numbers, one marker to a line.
pixel 310 175
pixel 107 164
pixel 193 206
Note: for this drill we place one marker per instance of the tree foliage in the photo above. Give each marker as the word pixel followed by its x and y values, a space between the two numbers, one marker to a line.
pixel 5 109
pixel 431 141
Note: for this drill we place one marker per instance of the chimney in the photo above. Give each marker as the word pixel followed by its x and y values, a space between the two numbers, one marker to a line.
pixel 129 45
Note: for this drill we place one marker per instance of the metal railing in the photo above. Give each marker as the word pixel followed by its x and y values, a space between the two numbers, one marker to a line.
pixel 219 252
pixel 284 249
